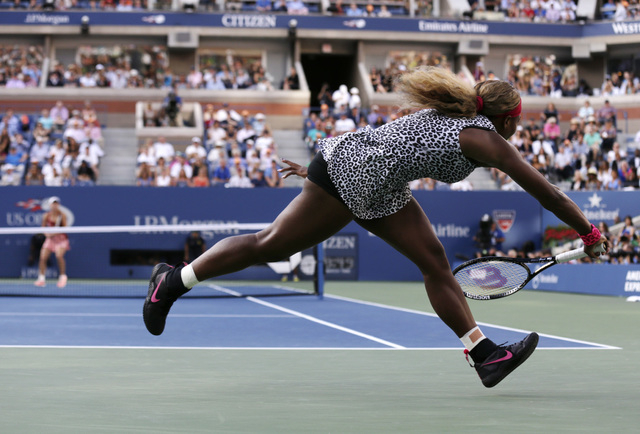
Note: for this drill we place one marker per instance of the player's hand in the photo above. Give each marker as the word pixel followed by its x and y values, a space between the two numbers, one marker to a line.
pixel 591 250
pixel 293 169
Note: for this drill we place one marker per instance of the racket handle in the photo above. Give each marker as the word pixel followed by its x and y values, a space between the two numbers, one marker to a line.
pixel 576 254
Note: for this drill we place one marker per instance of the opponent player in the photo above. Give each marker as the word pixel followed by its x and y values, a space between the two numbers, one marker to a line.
pixel 57 243
pixel 364 176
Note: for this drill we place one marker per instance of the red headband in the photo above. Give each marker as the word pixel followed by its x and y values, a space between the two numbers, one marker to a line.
pixel 479 103
pixel 513 113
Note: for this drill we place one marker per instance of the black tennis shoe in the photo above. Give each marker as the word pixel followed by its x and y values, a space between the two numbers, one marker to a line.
pixel 158 302
pixel 504 360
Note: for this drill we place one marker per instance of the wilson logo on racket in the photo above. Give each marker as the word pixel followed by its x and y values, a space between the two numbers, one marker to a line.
pixel 487 277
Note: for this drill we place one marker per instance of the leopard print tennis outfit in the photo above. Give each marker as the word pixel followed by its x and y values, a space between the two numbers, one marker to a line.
pixel 371 169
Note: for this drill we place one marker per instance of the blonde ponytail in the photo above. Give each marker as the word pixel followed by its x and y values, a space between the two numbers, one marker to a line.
pixel 440 89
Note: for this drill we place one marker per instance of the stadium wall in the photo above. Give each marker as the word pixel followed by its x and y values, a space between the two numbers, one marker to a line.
pixel 352 254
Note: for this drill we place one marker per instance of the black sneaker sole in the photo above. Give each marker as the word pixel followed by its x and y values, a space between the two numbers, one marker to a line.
pixel 522 357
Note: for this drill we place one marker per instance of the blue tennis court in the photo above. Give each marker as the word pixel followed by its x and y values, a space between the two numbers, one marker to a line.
pixel 239 322
pixel 369 357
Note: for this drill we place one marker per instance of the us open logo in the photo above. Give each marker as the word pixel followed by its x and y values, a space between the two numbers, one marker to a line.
pixel 504 218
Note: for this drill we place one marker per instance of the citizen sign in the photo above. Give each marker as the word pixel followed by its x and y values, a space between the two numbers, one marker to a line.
pixel 253 21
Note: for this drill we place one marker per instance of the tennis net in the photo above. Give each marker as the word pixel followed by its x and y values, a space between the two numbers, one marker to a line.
pixel 116 261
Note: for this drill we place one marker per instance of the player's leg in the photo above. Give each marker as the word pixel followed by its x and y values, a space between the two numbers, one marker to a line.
pixel 42 266
pixel 62 267
pixel 410 232
pixel 313 216
pixel 62 263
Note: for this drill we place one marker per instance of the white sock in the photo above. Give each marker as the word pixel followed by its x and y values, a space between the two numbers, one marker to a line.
pixel 41 277
pixel 472 338
pixel 189 279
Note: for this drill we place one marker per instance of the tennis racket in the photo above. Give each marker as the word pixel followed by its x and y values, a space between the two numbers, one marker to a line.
pixel 494 277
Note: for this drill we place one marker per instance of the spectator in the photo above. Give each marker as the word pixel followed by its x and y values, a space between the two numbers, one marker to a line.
pixel 145 176
pixel 239 180
pixel 34 175
pixel 608 10
pixel 52 173
pixel 354 11
pixel 180 164
pixel 163 177
pixel 60 114
pixel 384 12
pixel 10 176
pixel 607 112
pixel 195 151
pixel 608 133
pixel 163 149
pixel 592 183
pixel 195 78
pixel 564 162
pixel 227 116
pixel 292 81
pixel 221 174
pixel 354 99
pixel 263 5
pixel 296 7
pixel 172 107
pixel 87 80
pixel 586 111
pixel 182 180
pixel 272 176
pixel 258 180
pixel 615 183
pixel 552 130
pixel 19 142
pixel 578 184
pixel 345 124
pixel 259 123
pixel 620 13
pixel 40 150
pixel 11 122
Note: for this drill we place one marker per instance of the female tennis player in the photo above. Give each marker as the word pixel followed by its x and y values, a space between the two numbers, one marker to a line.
pixel 364 176
pixel 58 244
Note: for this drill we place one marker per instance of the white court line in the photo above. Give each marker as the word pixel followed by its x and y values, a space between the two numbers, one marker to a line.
pixel 310 318
pixel 142 347
pixel 433 315
pixel 137 315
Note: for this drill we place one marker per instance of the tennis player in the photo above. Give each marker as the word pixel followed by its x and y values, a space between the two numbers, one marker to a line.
pixel 364 176
pixel 57 244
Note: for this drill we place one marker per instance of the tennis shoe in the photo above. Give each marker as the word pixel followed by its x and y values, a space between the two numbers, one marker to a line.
pixel 504 360
pixel 40 282
pixel 62 281
pixel 158 302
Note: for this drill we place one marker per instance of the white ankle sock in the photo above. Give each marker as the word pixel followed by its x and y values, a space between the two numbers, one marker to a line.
pixel 472 338
pixel 189 279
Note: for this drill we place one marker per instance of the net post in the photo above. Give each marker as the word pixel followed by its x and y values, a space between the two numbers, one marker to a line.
pixel 319 280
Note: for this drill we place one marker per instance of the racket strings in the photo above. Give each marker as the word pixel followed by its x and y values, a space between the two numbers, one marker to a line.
pixel 491 277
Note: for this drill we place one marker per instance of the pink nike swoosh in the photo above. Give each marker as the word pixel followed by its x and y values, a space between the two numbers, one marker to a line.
pixel 502 359
pixel 153 296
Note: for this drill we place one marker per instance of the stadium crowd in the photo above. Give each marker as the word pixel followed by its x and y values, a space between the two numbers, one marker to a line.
pixel 531 75
pixel 62 146
pixel 238 151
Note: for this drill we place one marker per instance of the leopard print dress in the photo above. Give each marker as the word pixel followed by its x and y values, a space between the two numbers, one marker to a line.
pixel 371 169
